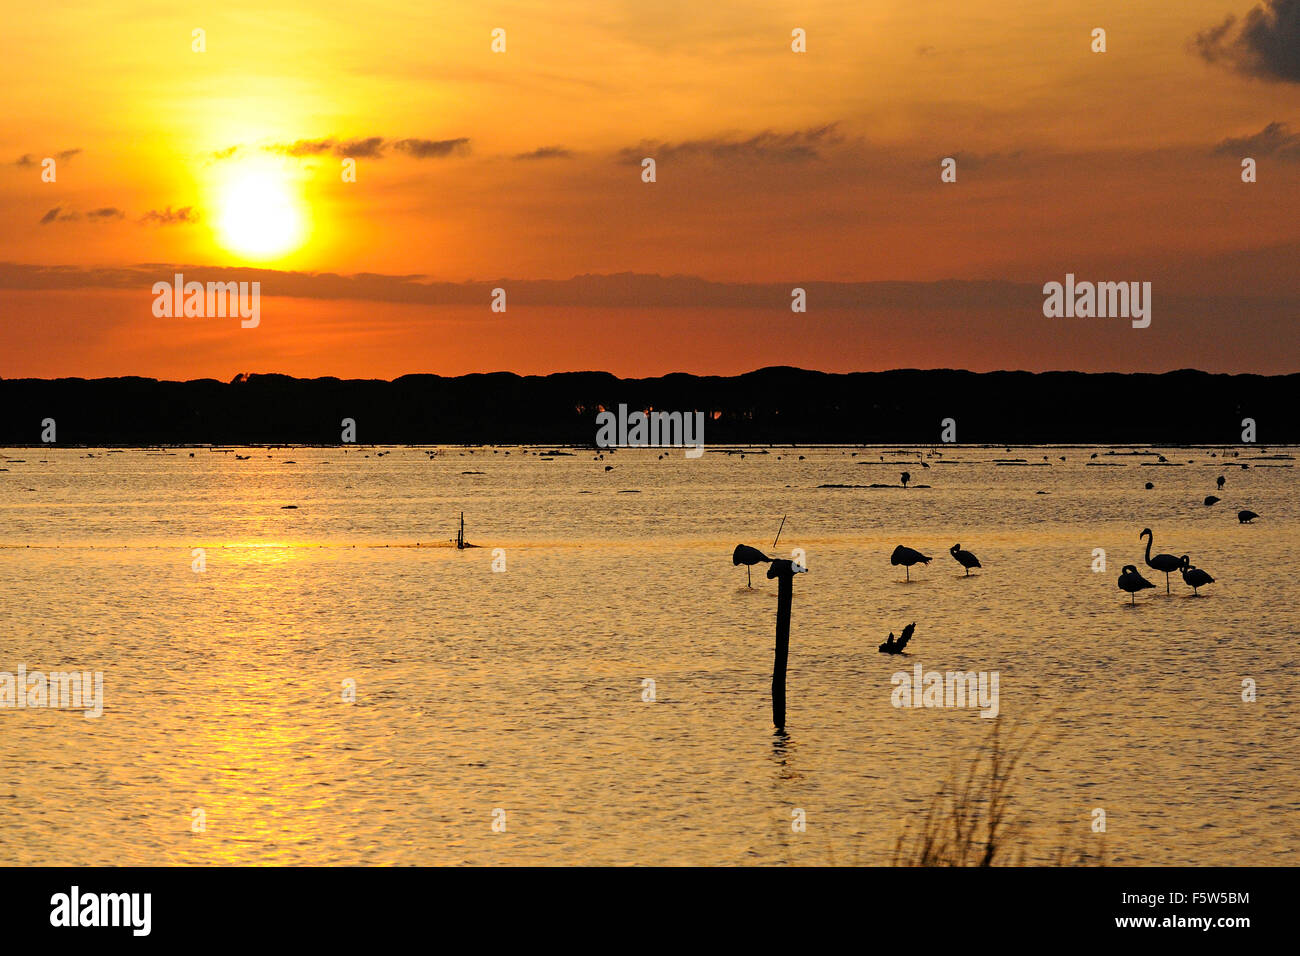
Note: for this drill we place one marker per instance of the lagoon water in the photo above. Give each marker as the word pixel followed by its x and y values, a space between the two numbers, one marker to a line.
pixel 522 690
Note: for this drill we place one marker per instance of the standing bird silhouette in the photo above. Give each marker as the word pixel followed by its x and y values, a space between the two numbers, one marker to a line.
pixel 749 557
pixel 907 557
pixel 905 477
pixel 1132 582
pixel 1168 563
pixel 1194 577
pixel 892 646
pixel 964 558
pixel 1221 481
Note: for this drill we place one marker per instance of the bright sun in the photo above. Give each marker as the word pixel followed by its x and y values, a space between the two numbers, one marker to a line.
pixel 259 215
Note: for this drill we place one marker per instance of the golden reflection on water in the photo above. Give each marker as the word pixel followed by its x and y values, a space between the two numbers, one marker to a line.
pixel 478 690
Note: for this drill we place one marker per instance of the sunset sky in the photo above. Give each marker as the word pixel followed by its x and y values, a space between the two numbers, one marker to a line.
pixel 775 169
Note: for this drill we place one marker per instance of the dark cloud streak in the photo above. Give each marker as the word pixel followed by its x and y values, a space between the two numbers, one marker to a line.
pixel 1265 43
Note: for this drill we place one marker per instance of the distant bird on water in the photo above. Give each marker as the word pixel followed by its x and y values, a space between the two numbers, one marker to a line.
pixel 892 646
pixel 1132 582
pixel 964 558
pixel 907 557
pixel 1211 500
pixel 1168 563
pixel 749 557
pixel 1194 577
pixel 1246 517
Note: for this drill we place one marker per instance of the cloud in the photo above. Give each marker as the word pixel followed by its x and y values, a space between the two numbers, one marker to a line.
pixel 170 217
pixel 1264 43
pixel 767 146
pixel 433 148
pixel 619 290
pixel 368 147
pixel 1275 139
pixel 29 159
pixel 303 147
pixel 61 214
pixel 546 152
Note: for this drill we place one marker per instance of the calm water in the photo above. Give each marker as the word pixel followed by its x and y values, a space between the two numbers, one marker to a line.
pixel 522 690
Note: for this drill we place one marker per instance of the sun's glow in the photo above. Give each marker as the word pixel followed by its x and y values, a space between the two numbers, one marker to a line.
pixel 260 216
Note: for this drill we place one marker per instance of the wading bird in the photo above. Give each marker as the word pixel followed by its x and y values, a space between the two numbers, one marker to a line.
pixel 907 557
pixel 1132 582
pixel 1168 563
pixel 964 558
pixel 749 557
pixel 1246 517
pixel 1194 577
pixel 892 646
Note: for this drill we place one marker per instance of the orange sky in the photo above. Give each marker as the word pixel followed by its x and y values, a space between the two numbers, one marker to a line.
pixel 775 169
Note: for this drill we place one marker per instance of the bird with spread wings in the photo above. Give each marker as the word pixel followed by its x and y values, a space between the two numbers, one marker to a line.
pixel 892 646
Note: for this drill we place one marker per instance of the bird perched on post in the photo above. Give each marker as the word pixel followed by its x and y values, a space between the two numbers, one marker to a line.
pixel 749 557
pixel 892 646
pixel 907 557
pixel 1194 577
pixel 964 558
pixel 784 566
pixel 1132 582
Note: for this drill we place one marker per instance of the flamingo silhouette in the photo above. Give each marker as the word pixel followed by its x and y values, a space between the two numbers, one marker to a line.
pixel 964 558
pixel 749 557
pixel 1194 577
pixel 1132 582
pixel 907 557
pixel 1168 563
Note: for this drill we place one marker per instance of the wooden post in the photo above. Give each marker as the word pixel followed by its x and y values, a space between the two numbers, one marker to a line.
pixel 784 571
pixel 784 596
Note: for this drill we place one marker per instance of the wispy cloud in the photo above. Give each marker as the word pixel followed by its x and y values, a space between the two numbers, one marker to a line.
pixel 1275 139
pixel 365 147
pixel 170 217
pixel 546 152
pixel 432 148
pixel 30 159
pixel 767 146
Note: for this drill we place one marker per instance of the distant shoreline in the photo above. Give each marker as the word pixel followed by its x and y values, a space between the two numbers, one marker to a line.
pixel 772 406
